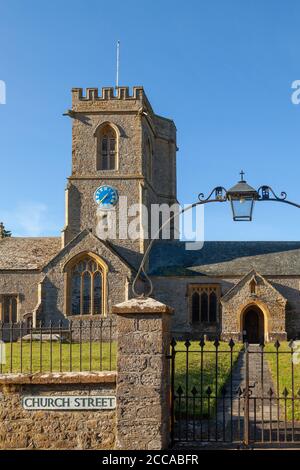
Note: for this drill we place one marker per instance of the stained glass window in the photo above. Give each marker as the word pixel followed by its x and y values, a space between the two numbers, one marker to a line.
pixel 86 288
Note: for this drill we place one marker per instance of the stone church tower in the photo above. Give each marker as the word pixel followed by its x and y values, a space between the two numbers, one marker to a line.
pixel 117 140
pixel 241 290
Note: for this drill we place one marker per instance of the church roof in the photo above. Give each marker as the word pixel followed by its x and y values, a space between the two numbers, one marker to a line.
pixel 225 258
pixel 27 253
pixel 170 258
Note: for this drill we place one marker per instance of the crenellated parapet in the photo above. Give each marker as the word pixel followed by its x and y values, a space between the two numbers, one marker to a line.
pixel 108 93
pixel 119 98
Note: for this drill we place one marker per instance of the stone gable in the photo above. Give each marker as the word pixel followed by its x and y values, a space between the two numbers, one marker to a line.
pixel 264 297
pixel 33 269
pixel 119 276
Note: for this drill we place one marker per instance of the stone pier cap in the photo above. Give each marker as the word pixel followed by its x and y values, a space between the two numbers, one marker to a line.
pixel 142 305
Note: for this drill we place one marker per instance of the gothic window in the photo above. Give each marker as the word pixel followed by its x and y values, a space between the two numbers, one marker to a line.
pixel 9 306
pixel 204 307
pixel 106 148
pixel 195 307
pixel 87 287
pixel 204 301
pixel 253 286
pixel 213 300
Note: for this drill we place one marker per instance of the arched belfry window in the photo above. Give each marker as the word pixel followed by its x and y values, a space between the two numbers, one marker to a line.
pixel 106 147
pixel 86 286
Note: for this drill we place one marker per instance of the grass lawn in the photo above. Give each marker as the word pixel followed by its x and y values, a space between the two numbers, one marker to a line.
pixel 285 377
pixel 188 377
pixel 65 357
pixel 94 356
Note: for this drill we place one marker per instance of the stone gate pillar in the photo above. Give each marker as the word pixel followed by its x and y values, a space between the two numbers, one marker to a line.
pixel 143 384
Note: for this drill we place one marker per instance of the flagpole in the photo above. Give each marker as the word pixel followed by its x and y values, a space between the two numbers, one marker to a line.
pixel 118 63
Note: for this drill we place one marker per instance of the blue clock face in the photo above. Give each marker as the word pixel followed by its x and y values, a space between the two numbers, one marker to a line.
pixel 106 197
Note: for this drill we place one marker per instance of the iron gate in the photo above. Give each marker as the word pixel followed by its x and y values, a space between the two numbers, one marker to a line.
pixel 233 394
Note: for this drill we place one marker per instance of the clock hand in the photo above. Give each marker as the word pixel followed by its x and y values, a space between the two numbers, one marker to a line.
pixel 104 197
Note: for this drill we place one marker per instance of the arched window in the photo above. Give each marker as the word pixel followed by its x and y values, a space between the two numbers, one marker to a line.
pixel 204 306
pixel 106 148
pixel 87 279
pixel 253 284
pixel 195 307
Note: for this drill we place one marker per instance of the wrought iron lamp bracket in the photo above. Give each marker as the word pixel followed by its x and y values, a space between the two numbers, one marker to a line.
pixel 266 193
pixel 218 194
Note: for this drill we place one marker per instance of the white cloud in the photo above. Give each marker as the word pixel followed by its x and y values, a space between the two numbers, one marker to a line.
pixel 27 219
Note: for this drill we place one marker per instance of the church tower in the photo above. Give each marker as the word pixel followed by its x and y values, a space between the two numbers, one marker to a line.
pixel 118 142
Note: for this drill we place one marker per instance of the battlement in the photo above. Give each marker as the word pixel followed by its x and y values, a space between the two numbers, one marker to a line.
pixel 108 93
pixel 109 97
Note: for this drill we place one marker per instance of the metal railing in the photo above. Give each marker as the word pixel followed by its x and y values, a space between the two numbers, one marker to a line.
pixel 72 346
pixel 227 393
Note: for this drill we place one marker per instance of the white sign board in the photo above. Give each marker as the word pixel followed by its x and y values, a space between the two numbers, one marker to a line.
pixel 2 353
pixel 68 402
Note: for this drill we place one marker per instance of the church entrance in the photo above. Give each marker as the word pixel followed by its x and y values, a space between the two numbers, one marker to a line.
pixel 253 325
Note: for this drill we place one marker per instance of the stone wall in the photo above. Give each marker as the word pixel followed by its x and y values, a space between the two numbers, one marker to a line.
pixel 134 122
pixel 54 286
pixel 173 292
pixel 94 330
pixel 23 429
pixel 23 283
pixel 141 386
pixel 290 289
pixel 269 300
pixel 143 381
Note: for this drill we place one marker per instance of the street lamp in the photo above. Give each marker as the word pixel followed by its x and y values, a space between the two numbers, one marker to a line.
pixel 242 198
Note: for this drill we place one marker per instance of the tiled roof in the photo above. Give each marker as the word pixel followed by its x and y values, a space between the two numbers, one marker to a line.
pixel 27 253
pixel 171 258
pixel 218 258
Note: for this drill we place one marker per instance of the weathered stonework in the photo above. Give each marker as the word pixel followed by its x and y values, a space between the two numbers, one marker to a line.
pixel 173 291
pixel 266 297
pixel 24 429
pixel 143 327
pixel 135 122
pixel 54 305
pixel 141 386
pixel 34 269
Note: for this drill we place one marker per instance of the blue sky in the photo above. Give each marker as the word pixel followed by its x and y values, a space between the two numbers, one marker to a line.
pixel 222 69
